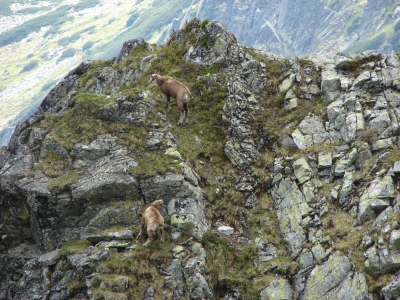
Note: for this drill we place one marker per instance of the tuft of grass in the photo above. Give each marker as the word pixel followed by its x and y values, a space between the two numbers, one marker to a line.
pixel 338 225
pixel 53 164
pixel 141 266
pixel 64 181
pixel 75 246
pixel 223 275
pixel 274 121
pixel 394 156
pixel 88 78
pixel 76 124
pixel 204 23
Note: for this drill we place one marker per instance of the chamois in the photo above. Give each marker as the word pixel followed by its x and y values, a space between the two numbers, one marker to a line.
pixel 152 219
pixel 173 88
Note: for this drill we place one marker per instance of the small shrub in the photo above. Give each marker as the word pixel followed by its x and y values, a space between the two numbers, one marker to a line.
pixel 87 29
pixel 75 246
pixel 206 42
pixel 53 164
pixel 60 183
pixel 70 52
pixel 74 37
pixel 204 23
pixel 63 41
pixel 30 66
pixel 83 4
pixel 132 19
pixel 87 45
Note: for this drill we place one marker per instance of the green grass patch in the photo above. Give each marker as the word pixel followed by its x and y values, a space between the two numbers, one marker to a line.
pixel 275 121
pixel 72 247
pixel 225 275
pixel 64 181
pixel 338 225
pixel 53 164
pixel 140 267
pixel 88 78
pixel 76 125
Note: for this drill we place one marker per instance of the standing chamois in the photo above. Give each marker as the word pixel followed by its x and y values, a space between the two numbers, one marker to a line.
pixel 152 219
pixel 173 88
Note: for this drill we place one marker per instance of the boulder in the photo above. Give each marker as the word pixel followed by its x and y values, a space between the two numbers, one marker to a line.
pixel 376 198
pixel 278 289
pixel 335 279
pixel 291 208
pixel 310 132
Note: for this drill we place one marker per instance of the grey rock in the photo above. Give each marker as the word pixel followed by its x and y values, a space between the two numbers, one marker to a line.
pixel 360 80
pixel 330 83
pixel 394 242
pixel 277 289
pixel 310 132
pixel 267 251
pixel 108 236
pixel 324 160
pixel 376 198
pixel 86 264
pixel 225 230
pixel 302 170
pixel 396 167
pixel 287 196
pixel 130 110
pixel 380 261
pixel 335 279
pixel 108 217
pixel 382 144
pixel 185 202
pixel 306 260
pixel 119 284
pixel 392 290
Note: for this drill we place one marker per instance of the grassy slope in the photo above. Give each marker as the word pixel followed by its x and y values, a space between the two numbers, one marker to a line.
pixel 209 160
pixel 230 263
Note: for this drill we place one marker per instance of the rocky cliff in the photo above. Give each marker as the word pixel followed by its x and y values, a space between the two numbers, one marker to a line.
pixel 285 184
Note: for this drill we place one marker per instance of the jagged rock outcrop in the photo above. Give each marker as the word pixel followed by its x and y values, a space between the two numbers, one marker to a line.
pixel 309 191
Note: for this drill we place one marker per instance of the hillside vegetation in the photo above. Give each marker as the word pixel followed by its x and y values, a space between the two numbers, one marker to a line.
pixel 287 174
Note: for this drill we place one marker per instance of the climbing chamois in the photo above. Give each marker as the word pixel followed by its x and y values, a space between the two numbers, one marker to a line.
pixel 173 88
pixel 152 219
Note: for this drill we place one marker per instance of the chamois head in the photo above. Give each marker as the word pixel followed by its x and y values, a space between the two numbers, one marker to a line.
pixel 158 203
pixel 153 77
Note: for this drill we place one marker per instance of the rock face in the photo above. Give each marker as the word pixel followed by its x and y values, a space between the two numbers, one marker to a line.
pixel 253 188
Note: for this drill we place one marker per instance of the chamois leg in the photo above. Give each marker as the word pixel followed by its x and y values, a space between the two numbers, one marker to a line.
pixel 186 107
pixel 168 103
pixel 182 117
pixel 150 234
pixel 162 234
pixel 141 230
